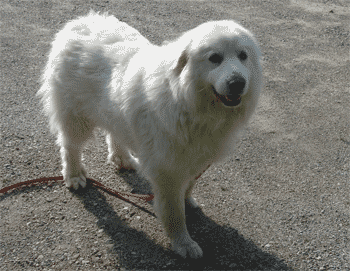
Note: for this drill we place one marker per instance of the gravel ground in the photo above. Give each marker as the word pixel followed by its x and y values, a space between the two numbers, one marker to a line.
pixel 280 203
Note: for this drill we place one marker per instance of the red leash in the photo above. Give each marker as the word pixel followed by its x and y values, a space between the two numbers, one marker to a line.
pixel 118 194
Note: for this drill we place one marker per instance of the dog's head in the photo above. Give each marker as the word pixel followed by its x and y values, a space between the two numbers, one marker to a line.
pixel 221 60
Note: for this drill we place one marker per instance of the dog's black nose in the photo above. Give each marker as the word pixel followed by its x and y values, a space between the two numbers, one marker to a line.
pixel 236 85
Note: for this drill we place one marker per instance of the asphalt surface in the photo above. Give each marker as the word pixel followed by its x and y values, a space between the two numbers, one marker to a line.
pixel 280 203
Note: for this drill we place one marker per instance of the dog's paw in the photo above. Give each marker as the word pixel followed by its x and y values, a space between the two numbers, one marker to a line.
pixel 75 182
pixel 189 248
pixel 125 164
pixel 120 163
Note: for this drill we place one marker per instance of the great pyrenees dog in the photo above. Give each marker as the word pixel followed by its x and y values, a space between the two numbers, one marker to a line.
pixel 169 111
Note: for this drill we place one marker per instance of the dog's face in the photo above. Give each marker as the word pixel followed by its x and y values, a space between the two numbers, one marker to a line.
pixel 224 59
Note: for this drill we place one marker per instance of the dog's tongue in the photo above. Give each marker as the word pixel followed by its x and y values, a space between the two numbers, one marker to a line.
pixel 232 101
pixel 228 99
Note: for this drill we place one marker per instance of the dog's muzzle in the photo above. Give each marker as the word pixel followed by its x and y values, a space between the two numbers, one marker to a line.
pixel 235 90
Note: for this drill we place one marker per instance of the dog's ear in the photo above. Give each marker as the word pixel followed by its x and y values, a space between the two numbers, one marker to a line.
pixel 181 62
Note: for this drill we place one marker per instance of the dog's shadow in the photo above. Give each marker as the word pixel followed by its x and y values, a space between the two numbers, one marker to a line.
pixel 224 248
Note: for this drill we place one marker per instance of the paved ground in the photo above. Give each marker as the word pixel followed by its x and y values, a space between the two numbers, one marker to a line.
pixel 282 202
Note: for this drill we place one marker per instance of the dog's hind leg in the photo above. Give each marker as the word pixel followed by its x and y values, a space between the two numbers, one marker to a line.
pixel 189 200
pixel 117 156
pixel 71 139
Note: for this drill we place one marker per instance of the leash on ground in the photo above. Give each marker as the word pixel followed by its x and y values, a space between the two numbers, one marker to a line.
pixel 121 195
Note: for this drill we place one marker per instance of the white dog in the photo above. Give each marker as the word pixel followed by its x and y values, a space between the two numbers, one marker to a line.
pixel 170 111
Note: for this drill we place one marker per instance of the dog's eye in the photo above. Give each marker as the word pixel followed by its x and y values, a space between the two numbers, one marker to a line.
pixel 216 58
pixel 242 56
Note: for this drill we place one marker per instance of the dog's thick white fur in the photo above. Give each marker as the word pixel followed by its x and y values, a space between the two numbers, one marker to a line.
pixel 169 111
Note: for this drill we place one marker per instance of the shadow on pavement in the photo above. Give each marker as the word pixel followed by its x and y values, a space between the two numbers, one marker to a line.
pixel 224 248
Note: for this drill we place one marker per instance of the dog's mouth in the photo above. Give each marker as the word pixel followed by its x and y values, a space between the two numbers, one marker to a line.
pixel 232 100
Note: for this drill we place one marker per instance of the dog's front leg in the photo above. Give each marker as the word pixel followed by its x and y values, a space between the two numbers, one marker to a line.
pixel 170 209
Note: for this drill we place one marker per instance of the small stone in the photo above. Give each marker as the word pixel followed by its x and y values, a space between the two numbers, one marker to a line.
pixel 233 265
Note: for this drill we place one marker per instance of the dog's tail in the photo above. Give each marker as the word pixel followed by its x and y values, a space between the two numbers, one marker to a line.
pixel 77 67
pixel 80 63
pixel 102 28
